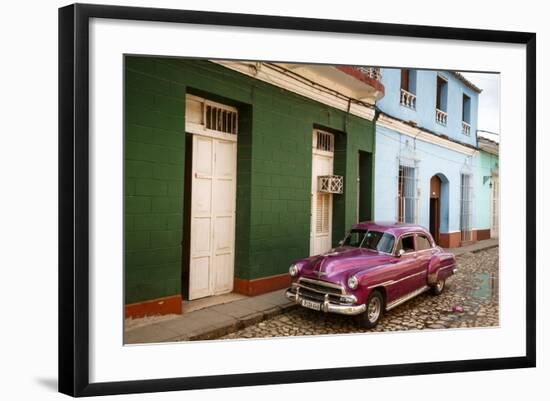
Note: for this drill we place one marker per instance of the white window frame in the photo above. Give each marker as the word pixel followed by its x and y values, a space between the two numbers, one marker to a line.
pixel 195 118
pixel 401 204
pixel 466 206
pixel 495 205
pixel 323 142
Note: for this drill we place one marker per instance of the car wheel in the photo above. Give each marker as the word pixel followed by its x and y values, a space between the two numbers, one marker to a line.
pixel 374 311
pixel 438 287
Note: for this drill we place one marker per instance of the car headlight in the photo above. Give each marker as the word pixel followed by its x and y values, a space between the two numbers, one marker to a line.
pixel 293 270
pixel 353 282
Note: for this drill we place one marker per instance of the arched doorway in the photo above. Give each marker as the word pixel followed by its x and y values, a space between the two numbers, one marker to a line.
pixel 439 205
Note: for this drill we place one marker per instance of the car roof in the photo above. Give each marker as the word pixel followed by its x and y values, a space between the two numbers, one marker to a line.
pixel 390 227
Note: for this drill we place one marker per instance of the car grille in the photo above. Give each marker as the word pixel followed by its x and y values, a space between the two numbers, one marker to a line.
pixel 317 290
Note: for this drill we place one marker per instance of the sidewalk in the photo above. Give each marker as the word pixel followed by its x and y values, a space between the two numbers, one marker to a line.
pixel 478 246
pixel 212 322
pixel 216 321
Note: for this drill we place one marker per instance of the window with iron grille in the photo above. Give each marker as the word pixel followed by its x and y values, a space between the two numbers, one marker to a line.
pixel 324 141
pixel 220 118
pixel 333 184
pixel 466 207
pixel 322 215
pixel 407 199
pixel 495 216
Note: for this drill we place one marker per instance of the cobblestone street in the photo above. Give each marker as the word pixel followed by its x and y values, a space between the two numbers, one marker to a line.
pixel 469 300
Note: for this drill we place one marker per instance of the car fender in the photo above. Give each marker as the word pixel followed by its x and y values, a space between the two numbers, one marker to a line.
pixel 440 264
pixel 369 279
pixel 433 269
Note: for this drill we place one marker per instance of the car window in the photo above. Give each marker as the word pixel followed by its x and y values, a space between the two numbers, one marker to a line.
pixel 354 238
pixel 422 242
pixel 379 241
pixel 406 243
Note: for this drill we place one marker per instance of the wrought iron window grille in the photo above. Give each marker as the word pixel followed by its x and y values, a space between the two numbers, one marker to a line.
pixel 332 184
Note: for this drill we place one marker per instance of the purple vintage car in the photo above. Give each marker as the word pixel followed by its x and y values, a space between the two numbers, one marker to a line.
pixel 377 267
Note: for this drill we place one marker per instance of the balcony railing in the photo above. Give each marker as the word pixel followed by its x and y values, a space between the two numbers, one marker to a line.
pixel 408 99
pixel 371 72
pixel 466 128
pixel 440 117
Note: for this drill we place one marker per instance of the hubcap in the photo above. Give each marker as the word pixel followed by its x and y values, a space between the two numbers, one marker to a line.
pixel 440 285
pixel 374 309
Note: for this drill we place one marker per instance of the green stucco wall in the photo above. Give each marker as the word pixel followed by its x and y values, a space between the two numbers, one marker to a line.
pixel 486 164
pixel 273 170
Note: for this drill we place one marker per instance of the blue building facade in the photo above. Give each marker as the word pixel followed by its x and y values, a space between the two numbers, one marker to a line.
pixel 426 153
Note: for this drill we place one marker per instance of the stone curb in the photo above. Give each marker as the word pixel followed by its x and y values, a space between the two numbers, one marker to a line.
pixel 461 251
pixel 486 248
pixel 212 322
pixel 241 323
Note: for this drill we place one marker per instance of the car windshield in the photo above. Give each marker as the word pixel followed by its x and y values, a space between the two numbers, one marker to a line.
pixel 375 240
pixel 354 238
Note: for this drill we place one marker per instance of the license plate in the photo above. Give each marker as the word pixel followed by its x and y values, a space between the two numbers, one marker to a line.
pixel 310 304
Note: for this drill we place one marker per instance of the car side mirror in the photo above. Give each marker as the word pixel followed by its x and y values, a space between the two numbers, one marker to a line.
pixel 401 252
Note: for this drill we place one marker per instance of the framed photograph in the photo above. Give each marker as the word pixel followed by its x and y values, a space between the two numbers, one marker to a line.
pixel 252 199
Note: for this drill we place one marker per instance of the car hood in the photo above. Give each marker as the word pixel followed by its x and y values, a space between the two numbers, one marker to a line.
pixel 338 263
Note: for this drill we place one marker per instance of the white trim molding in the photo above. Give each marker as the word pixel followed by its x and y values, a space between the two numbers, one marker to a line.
pixel 195 115
pixel 487 145
pixel 418 133
pixel 301 87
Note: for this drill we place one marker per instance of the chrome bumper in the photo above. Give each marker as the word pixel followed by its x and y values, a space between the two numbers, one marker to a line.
pixel 328 307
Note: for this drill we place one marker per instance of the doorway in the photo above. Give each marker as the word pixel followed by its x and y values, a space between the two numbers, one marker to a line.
pixel 211 159
pixel 322 164
pixel 364 184
pixel 435 207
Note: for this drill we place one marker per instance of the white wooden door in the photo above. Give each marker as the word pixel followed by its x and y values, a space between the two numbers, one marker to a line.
pixel 213 198
pixel 321 203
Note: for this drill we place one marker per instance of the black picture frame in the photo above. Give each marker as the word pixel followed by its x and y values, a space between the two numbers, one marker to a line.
pixel 74 198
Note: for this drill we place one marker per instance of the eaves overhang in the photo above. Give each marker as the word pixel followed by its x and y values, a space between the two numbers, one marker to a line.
pixel 403 127
pixel 324 84
pixel 360 83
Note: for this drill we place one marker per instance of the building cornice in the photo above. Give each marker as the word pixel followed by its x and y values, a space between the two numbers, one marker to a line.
pixel 487 145
pixel 418 133
pixel 466 81
pixel 277 77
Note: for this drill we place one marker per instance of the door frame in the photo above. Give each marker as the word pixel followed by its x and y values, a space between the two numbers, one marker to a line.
pixel 365 199
pixel 436 188
pixel 314 183
pixel 194 127
pixel 437 223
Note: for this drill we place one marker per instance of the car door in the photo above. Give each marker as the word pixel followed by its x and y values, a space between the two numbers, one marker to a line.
pixel 407 269
pixel 424 251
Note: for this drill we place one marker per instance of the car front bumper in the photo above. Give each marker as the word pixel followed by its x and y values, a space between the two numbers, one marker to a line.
pixel 326 306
